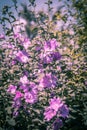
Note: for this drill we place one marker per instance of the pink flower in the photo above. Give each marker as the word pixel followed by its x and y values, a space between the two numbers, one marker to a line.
pixel 22 56
pixel 12 89
pixel 24 80
pixel 30 97
pixel 18 95
pixel 47 81
pixel 49 113
pixel 50 45
pixel 2 36
pixel 26 43
pixel 56 103
pixel 56 106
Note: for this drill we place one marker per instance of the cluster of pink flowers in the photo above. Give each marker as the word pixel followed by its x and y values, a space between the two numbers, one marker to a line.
pixel 57 107
pixel 26 92
pixel 50 52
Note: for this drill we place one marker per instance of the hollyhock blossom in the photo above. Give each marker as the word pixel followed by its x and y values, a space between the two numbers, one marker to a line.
pixel 12 89
pixel 50 45
pixel 56 103
pixel 33 88
pixel 22 57
pixel 31 94
pixel 17 100
pixel 26 73
pixel 56 106
pixel 49 113
pixel 58 123
pixel 47 59
pixel 64 111
pixel 2 36
pixel 38 48
pixel 29 88
pixel 24 80
pixel 47 81
pixel 49 54
pixel 30 97
pixel 52 56
pixel 17 35
pixel 26 43
pixel 56 56
pixel 17 103
pixel 18 95
pixel 25 88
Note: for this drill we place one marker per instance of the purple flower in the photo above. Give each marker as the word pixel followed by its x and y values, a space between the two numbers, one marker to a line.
pixel 47 81
pixel 2 36
pixel 16 35
pixel 18 95
pixel 64 111
pixel 52 94
pixel 49 113
pixel 38 48
pixel 56 56
pixel 16 103
pixel 57 124
pixel 13 62
pixel 30 97
pixel 56 106
pixel 26 43
pixel 26 73
pixel 25 88
pixel 24 80
pixel 12 89
pixel 29 88
pixel 47 59
pixel 56 103
pixel 15 113
pixel 22 56
pixel 50 45
pixel 33 88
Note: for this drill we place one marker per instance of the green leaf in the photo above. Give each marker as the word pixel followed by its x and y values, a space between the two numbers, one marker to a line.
pixel 11 122
pixel 1 128
pixel 9 110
